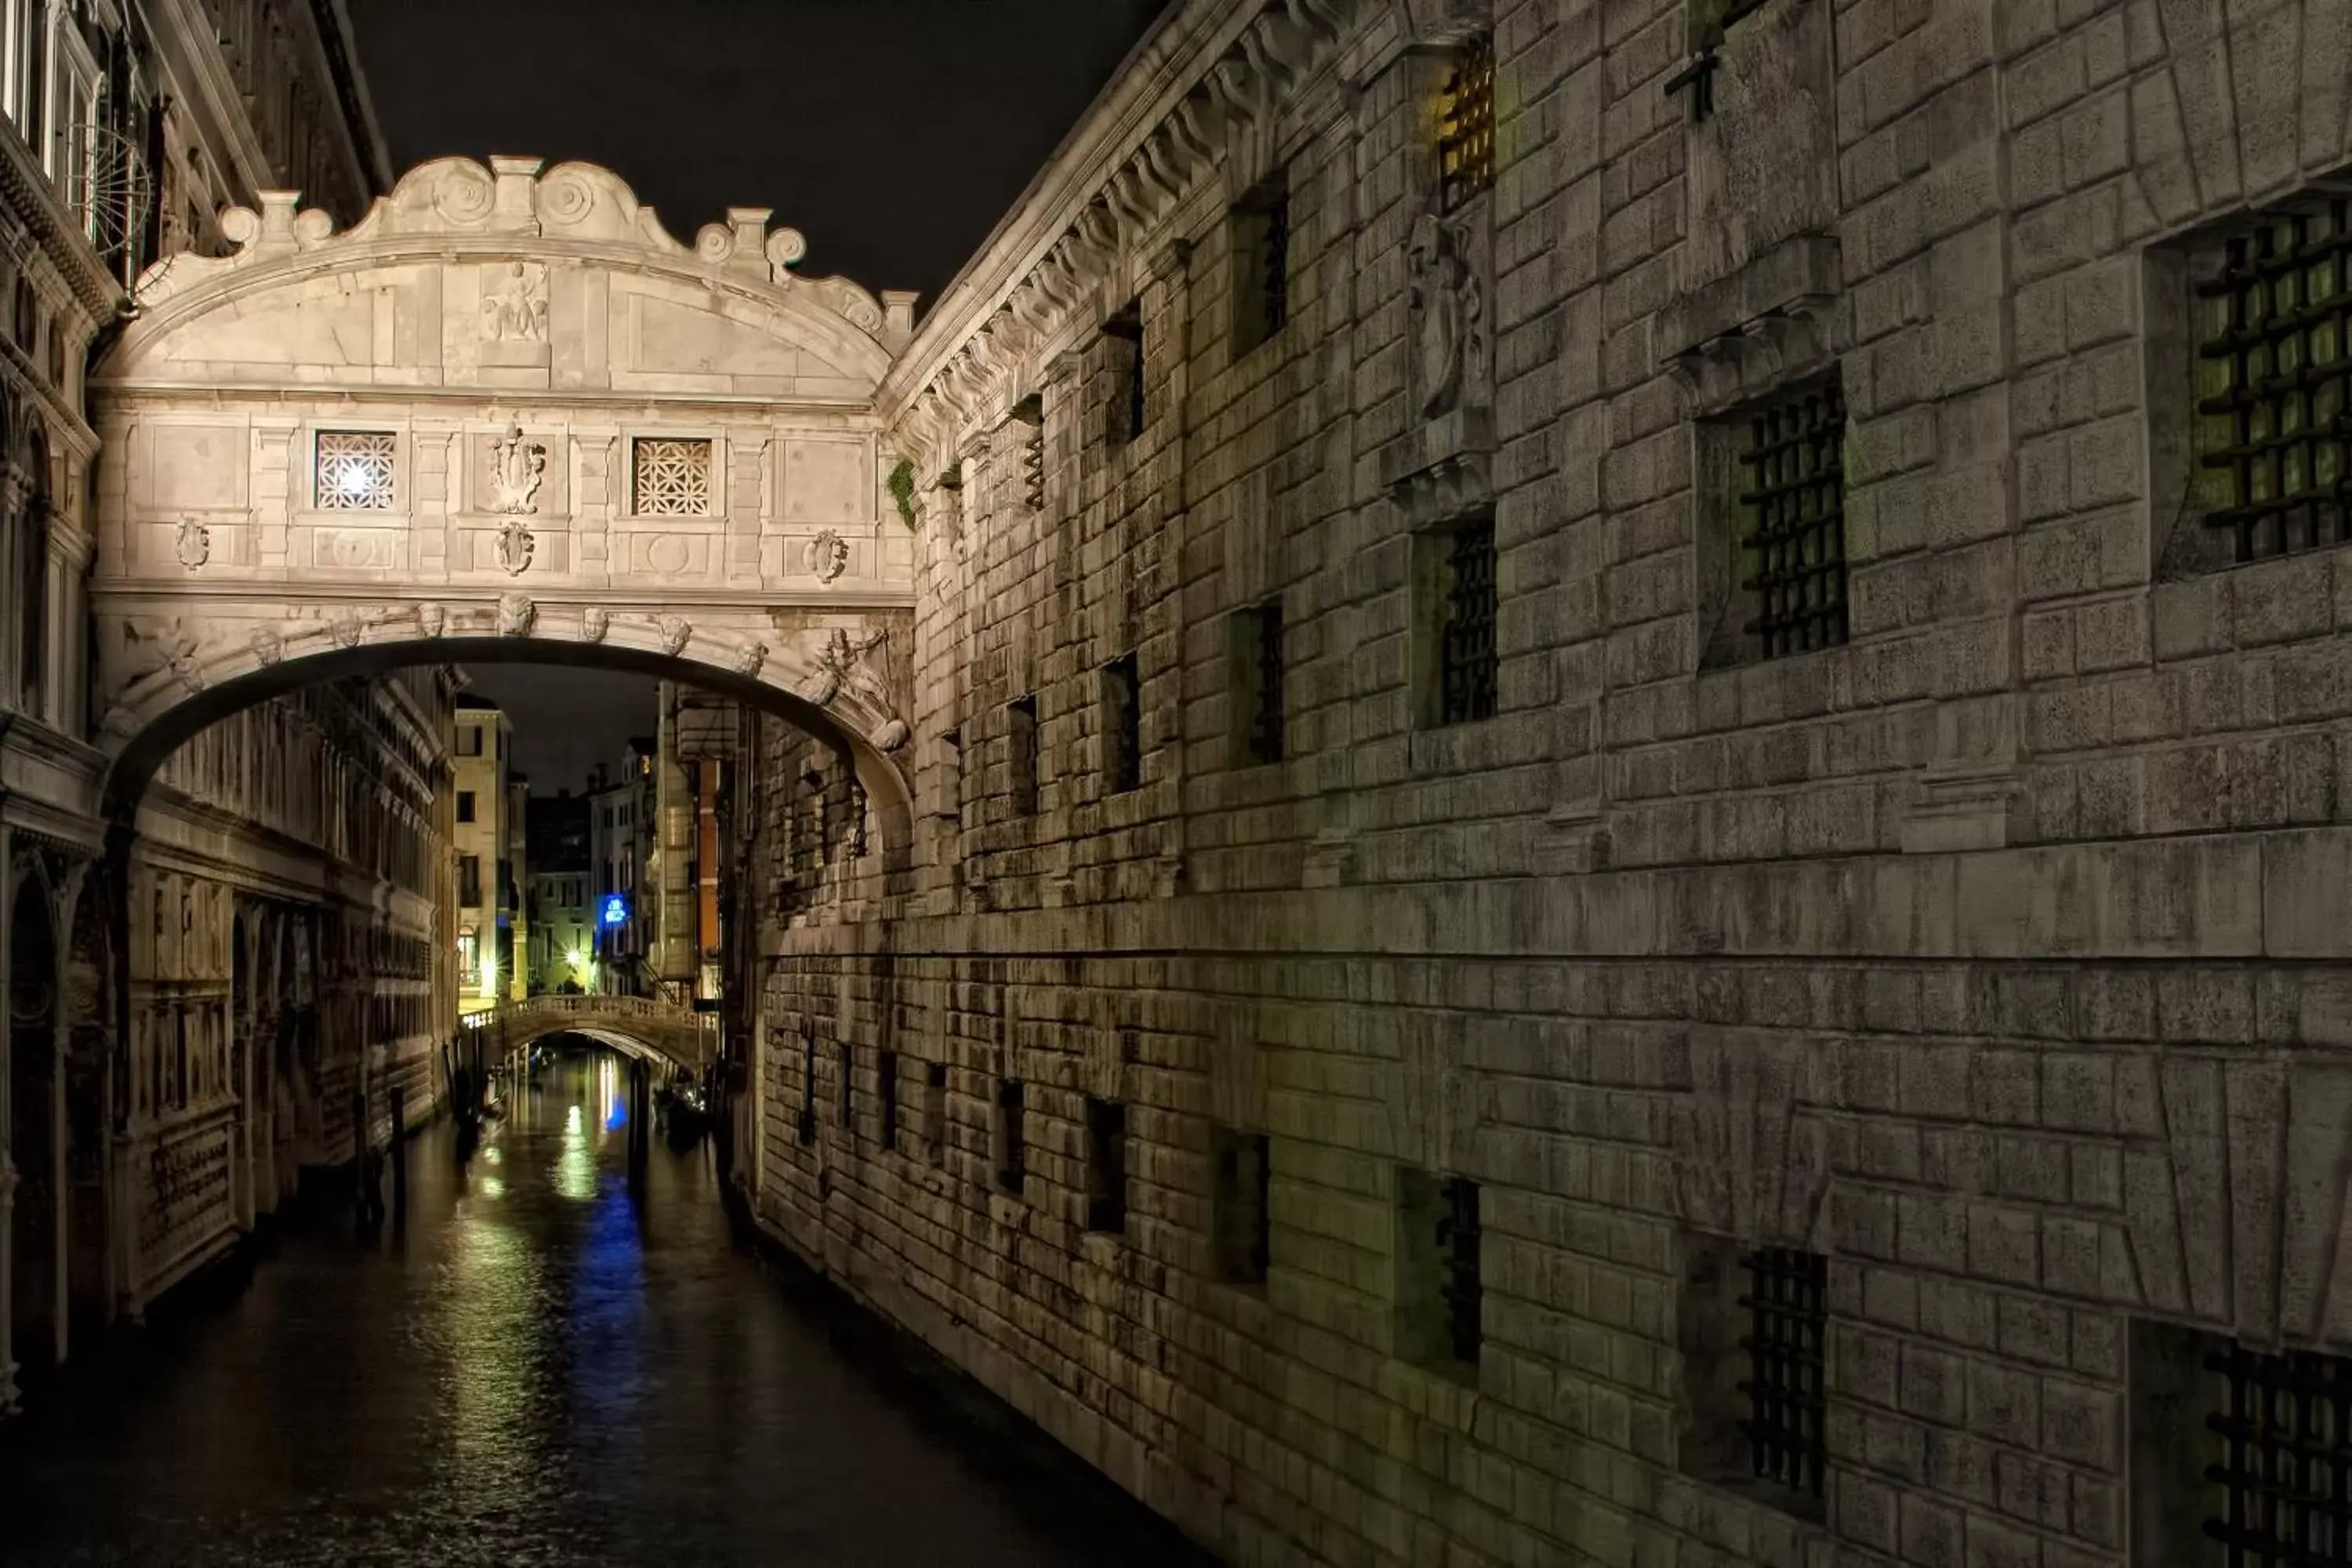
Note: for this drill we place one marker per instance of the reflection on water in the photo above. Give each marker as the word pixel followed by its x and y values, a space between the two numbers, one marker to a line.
pixel 535 1368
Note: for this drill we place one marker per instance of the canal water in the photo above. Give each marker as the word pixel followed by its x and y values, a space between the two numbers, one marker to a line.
pixel 536 1368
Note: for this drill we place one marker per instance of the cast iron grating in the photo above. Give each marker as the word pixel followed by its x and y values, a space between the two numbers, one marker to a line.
pixel 1458 1236
pixel 1466 145
pixel 1466 650
pixel 1787 1326
pixel 2284 355
pixel 1123 696
pixel 2287 1498
pixel 1273 281
pixel 1796 516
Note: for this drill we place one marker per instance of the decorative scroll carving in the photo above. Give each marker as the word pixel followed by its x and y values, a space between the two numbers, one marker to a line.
pixel 514 305
pixel 826 555
pixel 517 467
pixel 195 544
pixel 516 615
pixel 515 544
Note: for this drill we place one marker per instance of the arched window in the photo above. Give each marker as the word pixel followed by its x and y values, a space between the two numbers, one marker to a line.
pixel 32 576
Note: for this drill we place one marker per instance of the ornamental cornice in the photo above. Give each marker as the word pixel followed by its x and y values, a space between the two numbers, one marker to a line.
pixel 1164 123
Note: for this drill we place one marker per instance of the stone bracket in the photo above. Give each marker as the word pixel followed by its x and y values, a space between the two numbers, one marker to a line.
pixel 1967 806
pixel 1572 840
pixel 1330 858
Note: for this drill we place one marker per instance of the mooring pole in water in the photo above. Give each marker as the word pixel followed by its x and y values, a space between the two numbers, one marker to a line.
pixel 399 1098
pixel 640 1121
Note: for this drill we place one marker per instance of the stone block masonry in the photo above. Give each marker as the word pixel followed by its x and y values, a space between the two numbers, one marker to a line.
pixel 1850 862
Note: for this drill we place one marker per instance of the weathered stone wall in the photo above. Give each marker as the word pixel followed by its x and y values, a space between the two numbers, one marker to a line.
pixel 1995 954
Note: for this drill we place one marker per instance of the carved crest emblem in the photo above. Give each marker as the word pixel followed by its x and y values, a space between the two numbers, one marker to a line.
pixel 517 467
pixel 195 544
pixel 826 555
pixel 516 543
pixel 516 614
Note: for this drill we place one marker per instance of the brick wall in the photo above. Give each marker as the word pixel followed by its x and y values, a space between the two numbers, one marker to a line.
pixel 1994 953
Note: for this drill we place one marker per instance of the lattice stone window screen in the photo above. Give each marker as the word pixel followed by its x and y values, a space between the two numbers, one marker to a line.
pixel 670 476
pixel 2276 357
pixel 1793 541
pixel 2286 1474
pixel 1465 141
pixel 1787 1303
pixel 355 469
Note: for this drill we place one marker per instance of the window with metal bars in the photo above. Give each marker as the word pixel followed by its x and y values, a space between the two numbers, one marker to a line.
pixel 807 1125
pixel 1710 21
pixel 860 809
pixel 1012 1148
pixel 1261 278
pixel 1241 1226
pixel 814 850
pixel 885 1089
pixel 1258 697
pixel 1788 1331
pixel 1030 413
pixel 1790 506
pixel 1122 714
pixel 848 1067
pixel 1458 1237
pixel 1021 714
pixel 1465 607
pixel 1123 335
pixel 1439 1292
pixel 1465 137
pixel 2274 355
pixel 1106 1165
pixel 935 1109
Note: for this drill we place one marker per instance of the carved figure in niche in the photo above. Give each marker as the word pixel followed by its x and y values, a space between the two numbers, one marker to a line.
pixel 517 467
pixel 195 544
pixel 516 614
pixel 675 631
pixel 826 555
pixel 516 543
pixel 1448 313
pixel 514 307
pixel 594 622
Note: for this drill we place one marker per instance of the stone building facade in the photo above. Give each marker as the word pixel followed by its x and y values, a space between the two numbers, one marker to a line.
pixel 140 1126
pixel 1630 780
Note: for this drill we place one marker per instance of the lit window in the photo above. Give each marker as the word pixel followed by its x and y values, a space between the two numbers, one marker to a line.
pixel 354 470
pixel 671 478
pixel 1465 143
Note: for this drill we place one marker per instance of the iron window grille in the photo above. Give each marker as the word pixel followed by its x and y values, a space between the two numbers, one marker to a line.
pixel 859 811
pixel 1023 713
pixel 1710 21
pixel 354 470
pixel 1262 677
pixel 1122 725
pixel 1465 141
pixel 1458 1237
pixel 1466 645
pixel 669 477
pixel 1794 515
pixel 1106 1165
pixel 2281 313
pixel 1244 1233
pixel 1031 412
pixel 848 1067
pixel 1125 331
pixel 807 1126
pixel 2285 1479
pixel 886 1085
pixel 1262 265
pixel 935 1107
pixel 1787 1303
pixel 1012 1152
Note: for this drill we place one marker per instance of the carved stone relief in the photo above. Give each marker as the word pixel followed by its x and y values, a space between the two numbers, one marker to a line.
pixel 826 556
pixel 516 615
pixel 594 622
pixel 514 304
pixel 1449 317
pixel 846 663
pixel 430 617
pixel 676 630
pixel 193 543
pixel 517 467
pixel 515 545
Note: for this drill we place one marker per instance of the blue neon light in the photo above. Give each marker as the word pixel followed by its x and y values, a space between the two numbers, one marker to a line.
pixel 617 910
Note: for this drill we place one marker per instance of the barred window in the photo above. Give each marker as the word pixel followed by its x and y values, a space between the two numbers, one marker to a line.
pixel 1465 141
pixel 935 1109
pixel 1787 1329
pixel 1241 1233
pixel 806 1124
pixel 1458 1240
pixel 1122 712
pixel 2276 362
pixel 1106 1165
pixel 353 471
pixel 886 1086
pixel 1440 1295
pixel 1022 715
pixel 1466 606
pixel 669 477
pixel 1793 522
pixel 1710 21
pixel 1129 409
pixel 1031 412
pixel 1258 694
pixel 1012 1148
pixel 1261 280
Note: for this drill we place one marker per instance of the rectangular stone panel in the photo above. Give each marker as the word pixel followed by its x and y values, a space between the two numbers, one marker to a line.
pixel 826 481
pixel 193 467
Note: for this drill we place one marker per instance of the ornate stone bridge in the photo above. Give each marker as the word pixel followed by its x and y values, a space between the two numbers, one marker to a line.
pixel 504 417
pixel 639 1027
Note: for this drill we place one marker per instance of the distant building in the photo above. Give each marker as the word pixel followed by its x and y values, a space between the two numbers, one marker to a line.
pixel 488 836
pixel 559 901
pixel 621 828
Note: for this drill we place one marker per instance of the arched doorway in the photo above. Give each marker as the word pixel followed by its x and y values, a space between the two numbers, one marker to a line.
pixel 32 1087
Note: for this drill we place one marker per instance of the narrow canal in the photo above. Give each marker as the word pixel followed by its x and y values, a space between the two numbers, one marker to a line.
pixel 538 1367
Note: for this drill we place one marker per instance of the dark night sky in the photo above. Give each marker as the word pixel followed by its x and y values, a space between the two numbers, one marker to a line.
pixel 893 133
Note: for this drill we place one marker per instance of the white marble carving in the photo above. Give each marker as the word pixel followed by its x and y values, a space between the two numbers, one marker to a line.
pixel 675 632
pixel 826 555
pixel 430 617
pixel 193 542
pixel 1449 326
pixel 516 614
pixel 514 305
pixel 594 622
pixel 516 543
pixel 517 467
